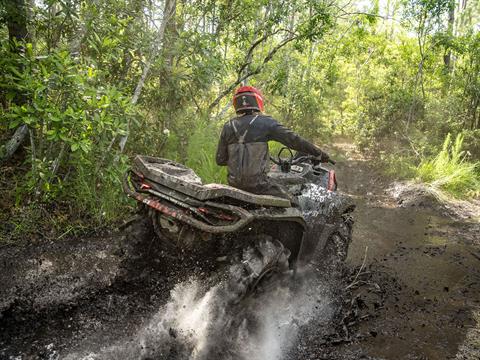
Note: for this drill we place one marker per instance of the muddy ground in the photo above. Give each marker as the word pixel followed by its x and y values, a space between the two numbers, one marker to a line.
pixel 410 290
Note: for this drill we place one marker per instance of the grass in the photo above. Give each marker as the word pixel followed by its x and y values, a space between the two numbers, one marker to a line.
pixel 450 171
pixel 201 152
pixel 33 222
pixel 96 193
pixel 205 166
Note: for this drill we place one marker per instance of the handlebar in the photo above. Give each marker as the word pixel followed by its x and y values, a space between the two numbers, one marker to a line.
pixel 301 159
pixel 310 157
pixel 298 160
pixel 272 159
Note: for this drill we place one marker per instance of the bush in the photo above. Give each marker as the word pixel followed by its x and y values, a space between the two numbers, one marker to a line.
pixel 450 171
pixel 97 192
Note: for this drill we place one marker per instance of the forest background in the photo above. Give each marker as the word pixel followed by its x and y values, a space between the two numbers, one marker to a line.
pixel 85 85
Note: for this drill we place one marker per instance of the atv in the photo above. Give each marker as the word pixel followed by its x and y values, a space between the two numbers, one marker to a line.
pixel 259 234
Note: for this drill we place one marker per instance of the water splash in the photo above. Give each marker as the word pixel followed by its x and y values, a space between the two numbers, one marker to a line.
pixel 196 324
pixel 203 324
pixel 282 312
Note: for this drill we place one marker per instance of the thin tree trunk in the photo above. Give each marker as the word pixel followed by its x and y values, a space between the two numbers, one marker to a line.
pixel 16 18
pixel 167 14
pixel 419 76
pixel 447 59
pixel 58 159
pixel 223 111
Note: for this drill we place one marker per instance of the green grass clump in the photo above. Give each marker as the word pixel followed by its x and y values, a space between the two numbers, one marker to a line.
pixel 450 171
pixel 201 152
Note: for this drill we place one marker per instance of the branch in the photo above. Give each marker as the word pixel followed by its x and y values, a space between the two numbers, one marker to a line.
pixel 368 14
pixel 354 282
pixel 249 54
pixel 249 74
pixel 168 12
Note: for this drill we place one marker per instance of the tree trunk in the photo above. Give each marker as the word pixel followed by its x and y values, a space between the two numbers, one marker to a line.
pixel 447 58
pixel 16 18
pixel 168 12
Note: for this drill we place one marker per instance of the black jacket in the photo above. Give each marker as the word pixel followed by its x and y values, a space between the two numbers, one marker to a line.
pixel 264 129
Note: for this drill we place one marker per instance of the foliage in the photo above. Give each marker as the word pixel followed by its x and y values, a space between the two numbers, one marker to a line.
pixel 403 88
pixel 201 154
pixel 72 119
pixel 396 76
pixel 450 171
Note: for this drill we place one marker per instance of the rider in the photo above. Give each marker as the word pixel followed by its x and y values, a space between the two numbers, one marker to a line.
pixel 243 145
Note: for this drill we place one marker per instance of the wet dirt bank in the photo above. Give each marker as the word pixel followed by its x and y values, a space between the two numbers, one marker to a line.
pixel 411 290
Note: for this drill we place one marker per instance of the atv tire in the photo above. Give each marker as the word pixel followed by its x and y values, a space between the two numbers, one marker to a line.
pixel 255 266
pixel 335 250
pixel 264 258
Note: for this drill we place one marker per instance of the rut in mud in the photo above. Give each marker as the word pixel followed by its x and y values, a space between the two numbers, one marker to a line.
pixel 412 274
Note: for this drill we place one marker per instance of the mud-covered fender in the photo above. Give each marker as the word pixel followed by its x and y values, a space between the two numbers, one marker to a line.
pixel 323 211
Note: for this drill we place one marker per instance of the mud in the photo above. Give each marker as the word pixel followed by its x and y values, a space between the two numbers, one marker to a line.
pixel 419 291
pixel 410 290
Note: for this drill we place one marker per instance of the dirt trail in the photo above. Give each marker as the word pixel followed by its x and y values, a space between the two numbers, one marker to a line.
pixel 413 294
pixel 420 286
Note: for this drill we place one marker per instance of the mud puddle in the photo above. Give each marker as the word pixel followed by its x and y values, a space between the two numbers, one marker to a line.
pixel 427 286
pixel 419 288
pixel 152 307
pixel 410 291
pixel 181 319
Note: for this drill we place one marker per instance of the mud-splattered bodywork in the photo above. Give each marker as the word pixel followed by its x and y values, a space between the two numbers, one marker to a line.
pixel 182 205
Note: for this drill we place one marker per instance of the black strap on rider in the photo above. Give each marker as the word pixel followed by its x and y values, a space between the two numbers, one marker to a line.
pixel 241 138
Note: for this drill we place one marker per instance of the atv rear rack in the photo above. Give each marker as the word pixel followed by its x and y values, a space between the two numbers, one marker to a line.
pixel 180 179
pixel 236 216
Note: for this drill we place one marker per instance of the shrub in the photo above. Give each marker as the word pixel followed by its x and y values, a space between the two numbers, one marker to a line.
pixel 450 171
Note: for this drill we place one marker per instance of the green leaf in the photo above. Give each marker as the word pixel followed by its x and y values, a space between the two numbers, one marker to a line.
pixel 14 123
pixel 85 146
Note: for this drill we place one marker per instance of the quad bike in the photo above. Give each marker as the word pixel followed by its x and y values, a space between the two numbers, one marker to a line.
pixel 257 235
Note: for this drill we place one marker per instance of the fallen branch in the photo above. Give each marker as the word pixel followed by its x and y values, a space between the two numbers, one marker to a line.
pixel 475 255
pixel 359 270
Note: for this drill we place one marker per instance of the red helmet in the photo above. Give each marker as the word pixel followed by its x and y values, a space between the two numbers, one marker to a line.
pixel 247 98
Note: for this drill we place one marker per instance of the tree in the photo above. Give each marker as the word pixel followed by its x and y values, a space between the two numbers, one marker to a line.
pixel 16 18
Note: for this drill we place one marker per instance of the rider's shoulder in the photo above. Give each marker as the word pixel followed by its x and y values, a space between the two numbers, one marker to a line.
pixel 265 119
pixel 268 119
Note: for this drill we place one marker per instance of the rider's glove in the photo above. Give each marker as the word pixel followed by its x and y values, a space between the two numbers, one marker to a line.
pixel 323 157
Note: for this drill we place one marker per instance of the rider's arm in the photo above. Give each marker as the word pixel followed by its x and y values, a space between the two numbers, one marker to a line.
pixel 287 137
pixel 222 149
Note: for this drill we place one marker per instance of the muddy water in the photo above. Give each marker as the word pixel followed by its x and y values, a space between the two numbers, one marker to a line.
pixel 429 314
pixel 422 278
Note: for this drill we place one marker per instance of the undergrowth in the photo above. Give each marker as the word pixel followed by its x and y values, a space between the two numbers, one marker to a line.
pixel 201 152
pixel 98 194
pixel 92 201
pixel 450 170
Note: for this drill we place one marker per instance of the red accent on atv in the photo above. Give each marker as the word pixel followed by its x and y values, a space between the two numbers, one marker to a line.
pixel 332 181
